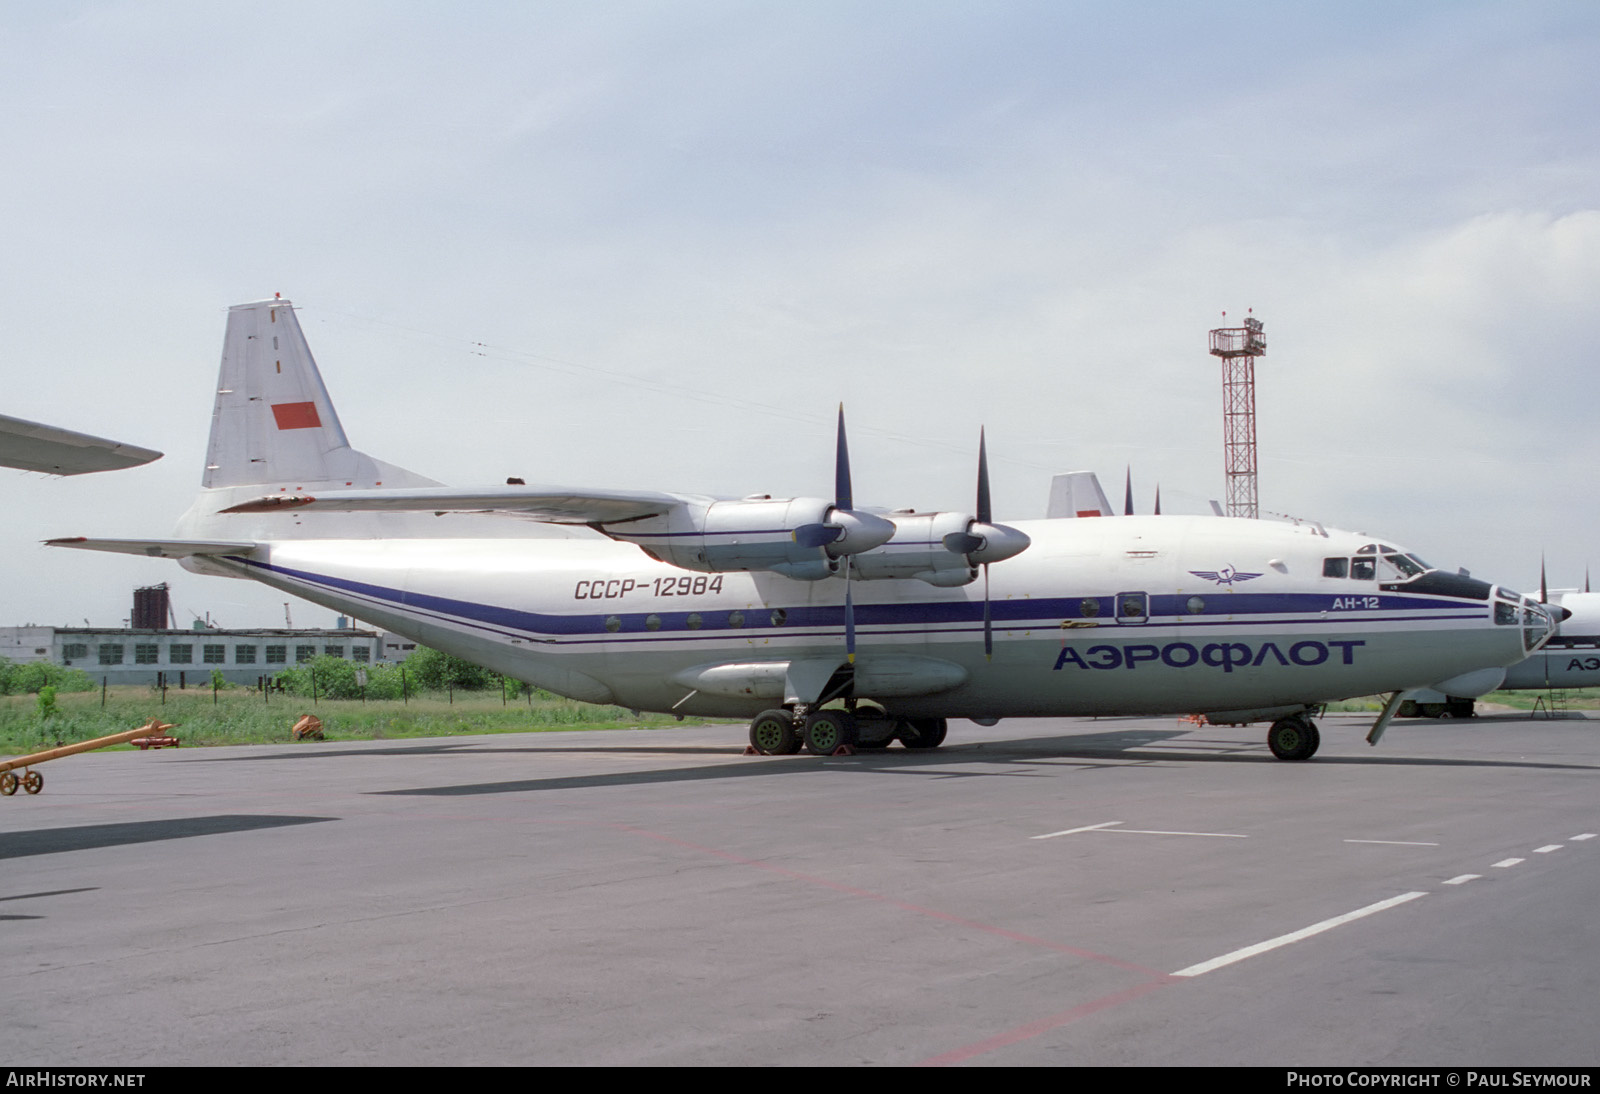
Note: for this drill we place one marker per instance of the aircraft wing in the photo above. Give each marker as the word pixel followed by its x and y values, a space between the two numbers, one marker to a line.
pixel 155 548
pixel 561 505
pixel 32 446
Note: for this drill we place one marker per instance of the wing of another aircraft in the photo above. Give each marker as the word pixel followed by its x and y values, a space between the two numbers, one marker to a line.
pixel 32 446
pixel 557 504
pixel 155 548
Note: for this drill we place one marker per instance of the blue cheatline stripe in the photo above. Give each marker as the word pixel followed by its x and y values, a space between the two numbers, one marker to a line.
pixel 911 618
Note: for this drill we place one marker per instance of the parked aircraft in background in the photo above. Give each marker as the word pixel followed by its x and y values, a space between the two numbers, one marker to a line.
pixel 777 609
pixel 31 446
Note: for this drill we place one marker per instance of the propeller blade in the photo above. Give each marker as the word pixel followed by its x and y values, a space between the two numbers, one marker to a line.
pixel 988 623
pixel 962 543
pixel 985 514
pixel 1586 579
pixel 841 469
pixel 1158 499
pixel 817 535
pixel 849 616
pixel 1127 494
pixel 1544 588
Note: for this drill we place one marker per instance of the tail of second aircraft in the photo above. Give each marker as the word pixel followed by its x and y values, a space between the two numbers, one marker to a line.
pixel 274 430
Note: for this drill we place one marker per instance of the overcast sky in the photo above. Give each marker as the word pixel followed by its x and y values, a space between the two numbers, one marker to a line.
pixel 653 245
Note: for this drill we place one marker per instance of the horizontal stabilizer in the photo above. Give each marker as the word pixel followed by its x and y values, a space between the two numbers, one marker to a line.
pixel 551 503
pixel 155 548
pixel 56 451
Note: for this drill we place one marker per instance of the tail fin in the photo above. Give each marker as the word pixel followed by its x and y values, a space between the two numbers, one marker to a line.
pixel 274 427
pixel 1078 494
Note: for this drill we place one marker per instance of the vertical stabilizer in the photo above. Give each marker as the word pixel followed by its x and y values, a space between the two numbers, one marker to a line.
pixel 274 425
pixel 1077 494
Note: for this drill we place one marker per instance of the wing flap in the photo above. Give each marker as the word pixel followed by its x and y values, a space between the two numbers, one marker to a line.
pixel 551 503
pixel 155 548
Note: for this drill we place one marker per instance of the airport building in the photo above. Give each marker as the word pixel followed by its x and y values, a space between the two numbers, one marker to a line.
pixel 135 655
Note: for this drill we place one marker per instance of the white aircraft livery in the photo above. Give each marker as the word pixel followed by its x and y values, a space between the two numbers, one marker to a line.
pixel 825 625
pixel 33 446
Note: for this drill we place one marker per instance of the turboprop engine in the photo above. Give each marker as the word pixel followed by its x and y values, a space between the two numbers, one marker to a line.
pixel 802 538
pixel 943 549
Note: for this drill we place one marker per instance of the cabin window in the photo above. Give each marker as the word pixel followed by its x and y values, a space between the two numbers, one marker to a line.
pixel 1336 567
pixel 735 619
pixel 1196 605
pixel 1089 607
pixel 613 623
pixel 779 617
pixel 693 622
pixel 1132 607
pixel 652 622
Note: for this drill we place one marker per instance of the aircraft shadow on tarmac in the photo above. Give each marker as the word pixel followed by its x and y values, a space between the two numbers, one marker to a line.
pixel 50 841
pixel 1114 748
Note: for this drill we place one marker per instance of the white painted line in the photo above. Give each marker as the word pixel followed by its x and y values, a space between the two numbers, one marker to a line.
pixel 1503 863
pixel 1586 835
pixel 1296 936
pixel 1153 832
pixel 1187 751
pixel 1462 879
pixel 1394 842
pixel 1072 831
pixel 1547 848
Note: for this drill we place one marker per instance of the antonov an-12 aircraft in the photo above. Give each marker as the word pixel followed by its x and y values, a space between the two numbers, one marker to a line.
pixel 824 624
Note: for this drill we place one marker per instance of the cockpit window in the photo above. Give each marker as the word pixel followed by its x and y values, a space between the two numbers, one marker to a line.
pixel 1364 569
pixel 1336 567
pixel 1407 565
pixel 1369 549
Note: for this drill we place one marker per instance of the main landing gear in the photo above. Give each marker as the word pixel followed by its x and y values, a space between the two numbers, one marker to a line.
pixel 1294 738
pixel 826 732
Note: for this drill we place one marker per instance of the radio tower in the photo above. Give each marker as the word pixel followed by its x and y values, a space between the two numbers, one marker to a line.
pixel 1239 347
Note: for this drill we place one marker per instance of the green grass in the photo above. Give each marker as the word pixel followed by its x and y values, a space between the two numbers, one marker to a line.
pixel 239 716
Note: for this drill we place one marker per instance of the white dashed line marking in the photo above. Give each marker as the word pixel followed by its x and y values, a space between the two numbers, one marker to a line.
pixel 1394 842
pixel 1296 936
pixel 1586 835
pixel 1547 848
pixel 1503 863
pixel 1462 879
pixel 1111 826
pixel 1074 831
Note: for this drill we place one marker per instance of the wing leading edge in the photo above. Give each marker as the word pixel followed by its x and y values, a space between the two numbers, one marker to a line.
pixel 560 505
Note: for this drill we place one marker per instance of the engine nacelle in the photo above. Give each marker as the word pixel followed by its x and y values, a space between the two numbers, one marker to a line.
pixel 801 538
pixel 943 549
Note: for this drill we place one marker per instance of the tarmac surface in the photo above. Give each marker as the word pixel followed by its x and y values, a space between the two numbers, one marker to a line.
pixel 1113 891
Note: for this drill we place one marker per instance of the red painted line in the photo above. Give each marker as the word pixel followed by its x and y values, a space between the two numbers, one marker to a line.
pixel 918 909
pixel 1045 1025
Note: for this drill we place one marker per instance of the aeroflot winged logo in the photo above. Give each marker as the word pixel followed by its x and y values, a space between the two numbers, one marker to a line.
pixel 1225 576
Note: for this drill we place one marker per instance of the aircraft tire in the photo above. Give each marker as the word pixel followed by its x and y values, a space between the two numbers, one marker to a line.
pixel 1294 738
pixel 923 733
pixel 772 733
pixel 828 730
